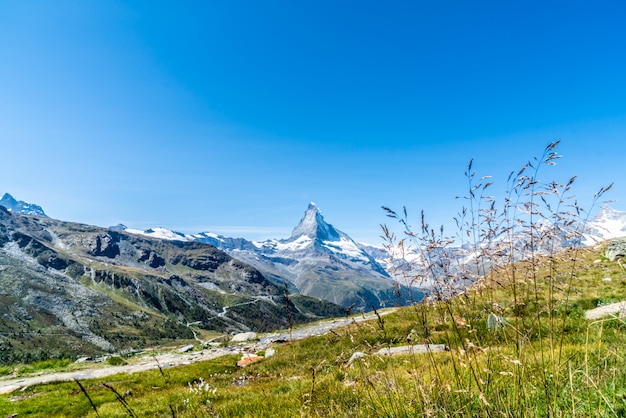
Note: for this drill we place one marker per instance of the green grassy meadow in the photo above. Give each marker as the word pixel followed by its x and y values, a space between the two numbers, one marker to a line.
pixel 546 360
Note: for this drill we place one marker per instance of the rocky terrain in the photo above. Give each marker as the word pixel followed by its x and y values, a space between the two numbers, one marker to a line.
pixel 70 288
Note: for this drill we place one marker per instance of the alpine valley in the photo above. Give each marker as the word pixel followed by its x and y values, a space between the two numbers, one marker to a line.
pixel 71 289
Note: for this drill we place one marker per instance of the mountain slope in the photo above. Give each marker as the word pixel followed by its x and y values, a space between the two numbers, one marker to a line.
pixel 106 290
pixel 606 224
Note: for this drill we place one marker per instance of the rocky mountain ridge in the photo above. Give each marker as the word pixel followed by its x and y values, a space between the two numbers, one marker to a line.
pixel 107 290
pixel 316 260
pixel 19 206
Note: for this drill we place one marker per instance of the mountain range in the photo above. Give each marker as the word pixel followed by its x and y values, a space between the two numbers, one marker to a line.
pixel 117 288
pixel 70 288
pixel 316 260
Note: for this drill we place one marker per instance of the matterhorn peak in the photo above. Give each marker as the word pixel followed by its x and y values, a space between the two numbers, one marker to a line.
pixel 313 226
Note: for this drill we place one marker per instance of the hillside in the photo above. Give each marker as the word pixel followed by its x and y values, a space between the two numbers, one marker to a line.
pixel 518 343
pixel 71 289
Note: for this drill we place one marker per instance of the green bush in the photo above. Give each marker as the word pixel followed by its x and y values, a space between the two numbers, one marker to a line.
pixel 116 361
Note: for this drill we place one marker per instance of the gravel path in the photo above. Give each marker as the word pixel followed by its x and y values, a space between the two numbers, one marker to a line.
pixel 145 363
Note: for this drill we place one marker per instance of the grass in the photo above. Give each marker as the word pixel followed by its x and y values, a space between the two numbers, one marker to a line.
pixel 312 377
pixel 513 319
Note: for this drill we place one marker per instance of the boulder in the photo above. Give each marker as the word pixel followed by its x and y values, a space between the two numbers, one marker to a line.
pixel 616 249
pixel 248 359
pixel 243 336
pixel 186 348
pixel 412 349
pixel 355 356
pixel 618 308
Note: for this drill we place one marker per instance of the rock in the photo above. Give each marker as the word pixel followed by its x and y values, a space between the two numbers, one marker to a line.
pixel 9 389
pixel 151 258
pixel 355 356
pixel 104 245
pixel 248 359
pixel 495 322
pixel 186 348
pixel 607 279
pixel 412 349
pixel 602 311
pixel 616 249
pixel 270 352
pixel 243 336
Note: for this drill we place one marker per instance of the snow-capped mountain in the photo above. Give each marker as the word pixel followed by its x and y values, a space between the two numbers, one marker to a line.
pixel 461 265
pixel 313 237
pixel 19 206
pixel 316 260
pixel 159 233
pixel 606 224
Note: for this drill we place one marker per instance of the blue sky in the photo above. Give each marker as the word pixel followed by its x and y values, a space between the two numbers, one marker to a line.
pixel 233 116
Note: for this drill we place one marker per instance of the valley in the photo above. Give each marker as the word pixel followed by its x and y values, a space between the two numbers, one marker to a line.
pixel 107 290
pixel 154 359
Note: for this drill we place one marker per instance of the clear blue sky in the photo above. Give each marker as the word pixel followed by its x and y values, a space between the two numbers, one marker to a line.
pixel 230 116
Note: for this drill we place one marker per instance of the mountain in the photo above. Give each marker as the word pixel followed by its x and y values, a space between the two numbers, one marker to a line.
pixel 303 259
pixel 456 267
pixel 71 288
pixel 19 206
pixel 606 224
pixel 318 260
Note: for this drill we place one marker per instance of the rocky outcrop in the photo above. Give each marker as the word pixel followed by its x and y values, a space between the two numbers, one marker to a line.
pixel 206 261
pixel 151 258
pixel 243 337
pixel 412 349
pixel 43 254
pixel 616 249
pixel 104 245
pixel 618 308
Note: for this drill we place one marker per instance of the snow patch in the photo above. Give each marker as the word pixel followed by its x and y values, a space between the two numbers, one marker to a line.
pixel 162 233
pixel 299 244
pixel 347 247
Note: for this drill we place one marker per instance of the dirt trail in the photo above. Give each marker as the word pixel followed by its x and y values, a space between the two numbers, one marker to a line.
pixel 152 362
